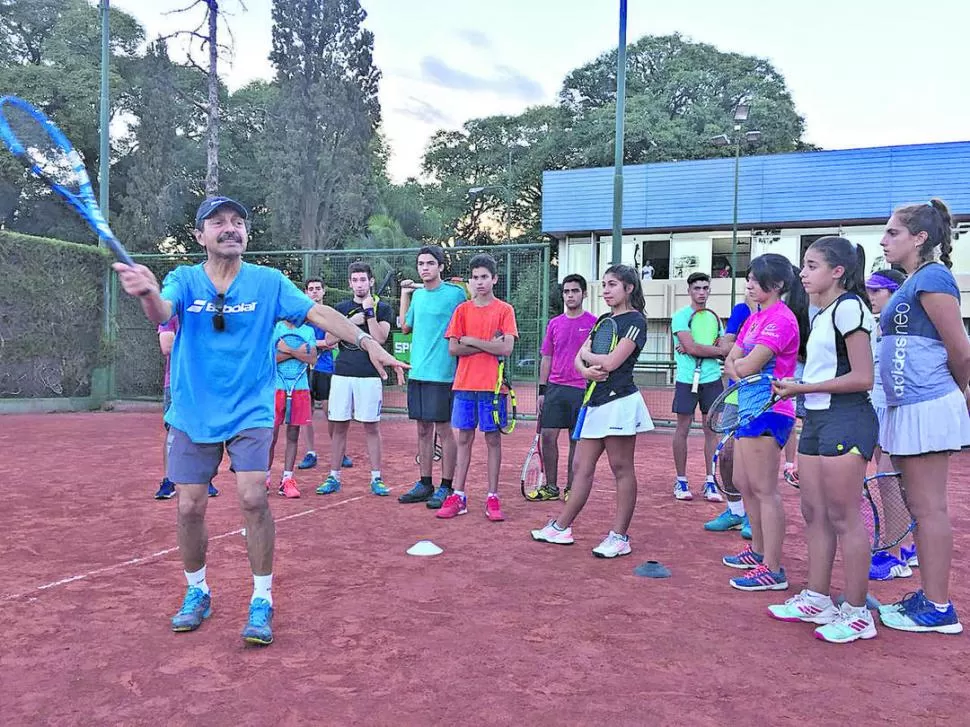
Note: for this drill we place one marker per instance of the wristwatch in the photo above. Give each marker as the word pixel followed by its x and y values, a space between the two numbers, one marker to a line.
pixel 361 336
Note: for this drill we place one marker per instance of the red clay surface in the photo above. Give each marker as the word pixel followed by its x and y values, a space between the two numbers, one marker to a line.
pixel 497 630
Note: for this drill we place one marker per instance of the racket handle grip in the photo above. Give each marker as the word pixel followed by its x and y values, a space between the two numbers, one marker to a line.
pixel 695 385
pixel 578 429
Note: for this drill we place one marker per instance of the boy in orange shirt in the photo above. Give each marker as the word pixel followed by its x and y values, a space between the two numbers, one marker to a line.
pixel 481 331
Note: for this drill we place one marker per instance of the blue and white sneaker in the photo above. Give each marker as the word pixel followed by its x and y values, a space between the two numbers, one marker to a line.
pixel 213 492
pixel 886 566
pixel 746 528
pixel 909 555
pixel 196 607
pixel 682 490
pixel 347 462
pixel 727 520
pixel 916 613
pixel 309 461
pixel 378 487
pixel 259 628
pixel 166 490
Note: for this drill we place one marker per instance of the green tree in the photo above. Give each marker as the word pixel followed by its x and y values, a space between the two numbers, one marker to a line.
pixel 50 55
pixel 323 128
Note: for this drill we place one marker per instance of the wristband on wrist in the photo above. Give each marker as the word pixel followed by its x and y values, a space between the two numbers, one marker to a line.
pixel 368 312
pixel 542 389
pixel 361 336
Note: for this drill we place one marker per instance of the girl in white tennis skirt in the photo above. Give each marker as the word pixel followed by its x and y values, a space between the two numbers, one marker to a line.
pixel 616 414
pixel 924 367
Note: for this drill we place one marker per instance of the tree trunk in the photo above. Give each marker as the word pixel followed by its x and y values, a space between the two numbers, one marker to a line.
pixel 212 142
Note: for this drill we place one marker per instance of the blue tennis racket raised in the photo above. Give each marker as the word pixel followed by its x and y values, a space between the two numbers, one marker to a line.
pixel 46 152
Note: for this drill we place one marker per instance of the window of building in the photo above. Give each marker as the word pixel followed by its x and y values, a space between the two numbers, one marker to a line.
pixel 721 256
pixel 653 259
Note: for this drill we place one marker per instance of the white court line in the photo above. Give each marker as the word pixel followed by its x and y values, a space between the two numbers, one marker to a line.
pixel 161 553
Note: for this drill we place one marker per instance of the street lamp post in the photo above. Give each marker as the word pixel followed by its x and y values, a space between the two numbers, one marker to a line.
pixel 751 138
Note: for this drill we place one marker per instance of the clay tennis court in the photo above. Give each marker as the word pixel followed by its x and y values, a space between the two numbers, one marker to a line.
pixel 497 630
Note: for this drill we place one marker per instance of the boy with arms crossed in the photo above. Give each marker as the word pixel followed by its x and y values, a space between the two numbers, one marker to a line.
pixel 427 311
pixel 561 386
pixel 356 389
pixel 481 331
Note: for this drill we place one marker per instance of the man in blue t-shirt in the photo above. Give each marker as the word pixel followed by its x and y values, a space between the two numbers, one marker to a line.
pixel 223 384
pixel 316 289
pixel 426 311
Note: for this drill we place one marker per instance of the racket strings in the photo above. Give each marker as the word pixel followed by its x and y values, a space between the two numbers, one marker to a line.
pixel 63 166
pixel 603 337
pixel 292 368
pixel 889 514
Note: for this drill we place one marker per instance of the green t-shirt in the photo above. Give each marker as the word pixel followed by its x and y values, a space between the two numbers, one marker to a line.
pixel 710 367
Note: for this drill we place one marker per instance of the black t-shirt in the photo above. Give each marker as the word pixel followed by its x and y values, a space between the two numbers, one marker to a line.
pixel 352 361
pixel 631 325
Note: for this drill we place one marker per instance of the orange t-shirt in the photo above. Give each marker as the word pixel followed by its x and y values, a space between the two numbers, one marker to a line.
pixel 479 372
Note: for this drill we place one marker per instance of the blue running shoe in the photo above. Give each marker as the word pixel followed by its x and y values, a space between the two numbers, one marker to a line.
pixel 746 528
pixel 916 613
pixel 213 492
pixel 309 461
pixel 761 579
pixel 727 520
pixel 439 497
pixel 378 487
pixel 886 566
pixel 347 462
pixel 259 629
pixel 330 486
pixel 419 493
pixel 747 559
pixel 196 607
pixel 166 490
pixel 909 555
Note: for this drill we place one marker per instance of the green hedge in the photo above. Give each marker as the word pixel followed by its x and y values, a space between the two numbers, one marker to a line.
pixel 51 308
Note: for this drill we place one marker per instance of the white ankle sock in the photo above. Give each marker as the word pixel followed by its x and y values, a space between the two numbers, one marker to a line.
pixel 335 474
pixel 287 474
pixel 736 508
pixel 197 580
pixel 311 453
pixel 375 475
pixel 263 588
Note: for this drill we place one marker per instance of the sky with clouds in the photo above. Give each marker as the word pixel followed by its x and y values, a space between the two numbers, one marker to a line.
pixel 862 72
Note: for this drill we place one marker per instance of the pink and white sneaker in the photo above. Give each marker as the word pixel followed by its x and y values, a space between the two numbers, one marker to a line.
pixel 551 534
pixel 493 509
pixel 453 506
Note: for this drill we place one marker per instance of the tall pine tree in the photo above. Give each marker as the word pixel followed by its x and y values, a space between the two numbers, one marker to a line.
pixel 325 123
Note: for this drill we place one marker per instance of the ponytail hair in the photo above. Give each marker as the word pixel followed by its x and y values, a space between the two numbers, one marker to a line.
pixel 840 252
pixel 797 302
pixel 628 276
pixel 934 219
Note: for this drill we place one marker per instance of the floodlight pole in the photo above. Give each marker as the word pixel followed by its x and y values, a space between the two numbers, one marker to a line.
pixel 734 227
pixel 103 172
pixel 618 146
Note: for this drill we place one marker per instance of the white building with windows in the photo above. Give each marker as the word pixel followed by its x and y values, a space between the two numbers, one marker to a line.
pixel 678 215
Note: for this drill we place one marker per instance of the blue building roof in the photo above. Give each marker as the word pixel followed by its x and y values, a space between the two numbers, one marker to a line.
pixel 851 185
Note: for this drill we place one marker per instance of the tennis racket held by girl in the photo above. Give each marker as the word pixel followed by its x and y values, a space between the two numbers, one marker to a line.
pixel 602 340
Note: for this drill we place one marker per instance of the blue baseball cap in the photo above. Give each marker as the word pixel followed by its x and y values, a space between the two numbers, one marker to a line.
pixel 210 205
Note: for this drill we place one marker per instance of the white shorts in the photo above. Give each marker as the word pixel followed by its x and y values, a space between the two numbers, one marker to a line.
pixel 357 398
pixel 623 417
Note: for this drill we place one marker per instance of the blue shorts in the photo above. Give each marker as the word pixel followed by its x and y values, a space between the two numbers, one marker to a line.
pixel 769 424
pixel 472 409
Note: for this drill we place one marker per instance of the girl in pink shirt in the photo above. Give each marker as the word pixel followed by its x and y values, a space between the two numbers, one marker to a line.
pixel 768 343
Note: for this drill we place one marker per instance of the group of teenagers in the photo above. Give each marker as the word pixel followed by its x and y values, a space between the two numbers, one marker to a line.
pixel 224 397
pixel 893 392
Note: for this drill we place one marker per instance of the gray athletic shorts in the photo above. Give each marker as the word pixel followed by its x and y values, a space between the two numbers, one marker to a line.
pixel 195 463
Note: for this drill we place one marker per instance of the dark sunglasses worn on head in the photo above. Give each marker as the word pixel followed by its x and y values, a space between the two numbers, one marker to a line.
pixel 219 318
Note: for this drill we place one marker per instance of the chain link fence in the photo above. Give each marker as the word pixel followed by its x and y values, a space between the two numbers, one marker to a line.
pixel 524 273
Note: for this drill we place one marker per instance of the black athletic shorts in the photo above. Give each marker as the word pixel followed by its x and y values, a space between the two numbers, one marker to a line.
pixel 686 401
pixel 319 386
pixel 843 430
pixel 560 408
pixel 429 401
